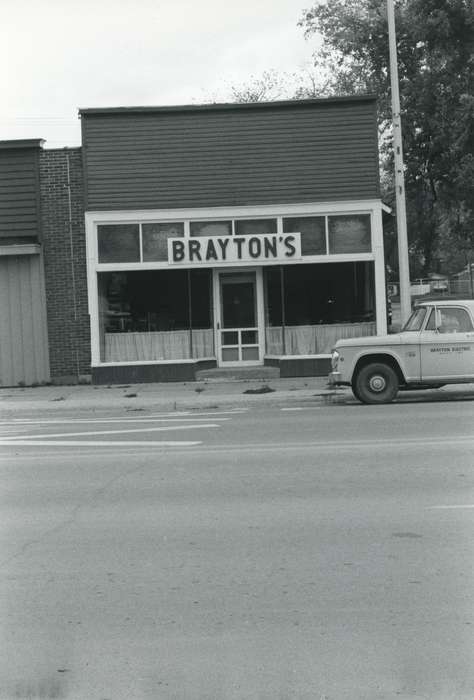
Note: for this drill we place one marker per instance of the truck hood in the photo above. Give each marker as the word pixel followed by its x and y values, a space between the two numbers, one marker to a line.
pixel 378 340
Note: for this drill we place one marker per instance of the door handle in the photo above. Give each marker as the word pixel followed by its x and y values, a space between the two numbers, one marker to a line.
pixel 218 326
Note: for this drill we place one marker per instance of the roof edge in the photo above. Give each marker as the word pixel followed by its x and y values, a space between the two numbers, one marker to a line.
pixel 22 143
pixel 216 106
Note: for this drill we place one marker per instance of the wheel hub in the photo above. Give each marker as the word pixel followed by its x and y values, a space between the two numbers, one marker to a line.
pixel 377 383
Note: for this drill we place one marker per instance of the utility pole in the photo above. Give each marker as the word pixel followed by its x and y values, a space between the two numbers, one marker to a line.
pixel 403 262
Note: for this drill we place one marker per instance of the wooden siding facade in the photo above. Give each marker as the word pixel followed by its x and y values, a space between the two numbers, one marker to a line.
pixel 19 191
pixel 23 335
pixel 230 155
pixel 24 354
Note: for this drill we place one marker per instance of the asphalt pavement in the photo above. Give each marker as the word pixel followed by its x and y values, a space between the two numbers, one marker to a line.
pixel 261 552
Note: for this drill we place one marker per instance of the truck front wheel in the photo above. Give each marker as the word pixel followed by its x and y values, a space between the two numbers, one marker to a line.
pixel 375 383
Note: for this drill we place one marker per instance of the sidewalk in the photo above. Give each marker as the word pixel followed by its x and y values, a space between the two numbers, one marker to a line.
pixel 170 396
pixel 185 396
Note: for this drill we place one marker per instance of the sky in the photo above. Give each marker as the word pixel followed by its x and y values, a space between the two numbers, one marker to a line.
pixel 57 56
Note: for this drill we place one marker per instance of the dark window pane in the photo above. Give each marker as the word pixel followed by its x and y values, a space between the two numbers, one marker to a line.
pixel 273 310
pixel 145 301
pixel 118 243
pixel 201 298
pixel 329 293
pixel 211 228
pixel 155 239
pixel 249 338
pixel 238 304
pixel 349 234
pixel 230 338
pixel 313 233
pixel 255 227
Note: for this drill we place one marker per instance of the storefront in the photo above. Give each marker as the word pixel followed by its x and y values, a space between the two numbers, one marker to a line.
pixel 245 280
pixel 230 288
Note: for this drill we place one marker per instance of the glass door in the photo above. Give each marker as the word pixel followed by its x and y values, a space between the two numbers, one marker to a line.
pixel 238 334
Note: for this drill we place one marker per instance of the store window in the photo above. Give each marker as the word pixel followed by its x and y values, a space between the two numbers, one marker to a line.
pixel 309 306
pixel 119 243
pixel 155 239
pixel 155 315
pixel 313 233
pixel 349 234
pixel 255 227
pixel 210 228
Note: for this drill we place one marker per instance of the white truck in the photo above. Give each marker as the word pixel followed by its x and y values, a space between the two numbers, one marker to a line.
pixel 434 348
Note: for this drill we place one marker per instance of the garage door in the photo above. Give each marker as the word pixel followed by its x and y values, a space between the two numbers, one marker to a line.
pixel 23 330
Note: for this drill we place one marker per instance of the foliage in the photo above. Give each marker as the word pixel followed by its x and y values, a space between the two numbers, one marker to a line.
pixel 273 85
pixel 435 46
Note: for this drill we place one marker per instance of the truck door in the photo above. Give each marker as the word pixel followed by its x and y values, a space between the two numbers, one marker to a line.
pixel 447 345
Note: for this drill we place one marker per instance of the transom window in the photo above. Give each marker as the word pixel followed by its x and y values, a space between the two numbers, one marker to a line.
pixel 148 242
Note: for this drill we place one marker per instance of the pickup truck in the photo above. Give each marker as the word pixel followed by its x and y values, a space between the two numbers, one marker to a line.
pixel 434 348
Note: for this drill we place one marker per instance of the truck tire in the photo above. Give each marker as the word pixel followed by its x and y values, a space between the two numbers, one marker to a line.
pixel 376 383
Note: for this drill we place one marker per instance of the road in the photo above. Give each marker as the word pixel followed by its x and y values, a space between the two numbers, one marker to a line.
pixel 286 552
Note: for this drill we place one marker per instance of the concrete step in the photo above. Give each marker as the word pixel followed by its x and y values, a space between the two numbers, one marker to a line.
pixel 229 374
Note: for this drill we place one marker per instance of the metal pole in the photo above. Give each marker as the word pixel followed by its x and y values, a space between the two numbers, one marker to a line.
pixel 403 262
pixel 190 315
pixel 282 301
pixel 470 275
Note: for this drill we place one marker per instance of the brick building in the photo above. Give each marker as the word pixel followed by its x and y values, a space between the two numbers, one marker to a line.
pixel 181 238
pixel 63 240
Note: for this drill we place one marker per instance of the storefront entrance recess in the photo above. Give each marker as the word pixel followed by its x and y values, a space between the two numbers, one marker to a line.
pixel 238 331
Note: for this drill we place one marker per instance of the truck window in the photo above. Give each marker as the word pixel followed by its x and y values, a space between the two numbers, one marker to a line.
pixel 415 321
pixel 431 325
pixel 454 320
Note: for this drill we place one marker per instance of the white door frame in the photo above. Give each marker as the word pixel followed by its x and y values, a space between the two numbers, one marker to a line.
pixel 216 286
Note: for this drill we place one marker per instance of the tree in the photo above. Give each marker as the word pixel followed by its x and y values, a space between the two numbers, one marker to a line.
pixel 435 45
pixel 270 86
pixel 273 85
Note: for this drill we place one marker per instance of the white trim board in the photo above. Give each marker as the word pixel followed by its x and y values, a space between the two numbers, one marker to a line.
pixel 266 210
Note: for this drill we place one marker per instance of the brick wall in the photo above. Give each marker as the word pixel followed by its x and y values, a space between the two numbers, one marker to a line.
pixel 63 239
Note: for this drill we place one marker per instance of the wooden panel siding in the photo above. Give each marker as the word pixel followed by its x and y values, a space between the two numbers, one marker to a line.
pixel 231 155
pixel 23 336
pixel 19 191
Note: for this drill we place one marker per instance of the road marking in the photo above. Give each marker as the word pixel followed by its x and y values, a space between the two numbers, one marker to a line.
pixel 100 443
pixel 302 408
pixel 456 442
pixel 47 436
pixel 175 416
pixel 74 421
pixel 468 505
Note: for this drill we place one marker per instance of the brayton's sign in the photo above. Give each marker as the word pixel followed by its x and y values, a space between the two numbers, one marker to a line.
pixel 234 249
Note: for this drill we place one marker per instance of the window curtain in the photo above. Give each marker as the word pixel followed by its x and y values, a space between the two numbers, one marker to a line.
pixel 156 346
pixel 313 340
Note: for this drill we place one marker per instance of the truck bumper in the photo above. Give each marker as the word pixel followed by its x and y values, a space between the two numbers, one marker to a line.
pixel 334 379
